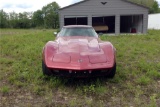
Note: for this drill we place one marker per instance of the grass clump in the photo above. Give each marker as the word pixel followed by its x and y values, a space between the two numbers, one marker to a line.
pixel 143 80
pixel 5 89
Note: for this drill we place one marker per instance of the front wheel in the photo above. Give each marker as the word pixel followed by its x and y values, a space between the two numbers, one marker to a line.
pixel 112 72
pixel 45 70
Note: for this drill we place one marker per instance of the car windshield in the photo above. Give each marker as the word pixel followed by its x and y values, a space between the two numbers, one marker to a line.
pixel 78 31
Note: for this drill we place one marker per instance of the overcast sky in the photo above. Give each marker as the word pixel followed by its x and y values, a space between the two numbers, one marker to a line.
pixel 31 5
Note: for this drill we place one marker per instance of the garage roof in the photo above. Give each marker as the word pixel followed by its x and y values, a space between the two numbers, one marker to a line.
pixel 88 0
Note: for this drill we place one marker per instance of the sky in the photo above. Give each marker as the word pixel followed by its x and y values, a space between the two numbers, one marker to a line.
pixel 32 5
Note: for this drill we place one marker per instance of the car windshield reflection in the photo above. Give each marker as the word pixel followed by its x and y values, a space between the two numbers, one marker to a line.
pixel 78 31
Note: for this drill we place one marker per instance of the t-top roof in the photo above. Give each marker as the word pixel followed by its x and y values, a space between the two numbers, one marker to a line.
pixel 74 26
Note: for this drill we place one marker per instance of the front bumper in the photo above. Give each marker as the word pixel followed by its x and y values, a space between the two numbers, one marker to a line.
pixel 81 73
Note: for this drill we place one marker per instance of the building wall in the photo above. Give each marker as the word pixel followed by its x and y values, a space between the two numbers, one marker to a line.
pixel 154 21
pixel 112 8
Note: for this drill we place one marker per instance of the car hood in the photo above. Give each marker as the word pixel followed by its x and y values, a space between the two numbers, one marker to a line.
pixel 78 45
pixel 74 48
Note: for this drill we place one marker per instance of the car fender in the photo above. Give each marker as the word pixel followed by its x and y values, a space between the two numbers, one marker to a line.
pixel 109 51
pixel 48 52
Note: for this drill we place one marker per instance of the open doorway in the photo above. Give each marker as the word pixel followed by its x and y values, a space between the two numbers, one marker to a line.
pixel 131 24
pixel 75 20
pixel 104 24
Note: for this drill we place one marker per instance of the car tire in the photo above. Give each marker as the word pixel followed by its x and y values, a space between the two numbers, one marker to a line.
pixel 112 72
pixel 45 70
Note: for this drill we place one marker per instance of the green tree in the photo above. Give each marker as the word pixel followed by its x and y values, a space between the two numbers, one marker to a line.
pixel 3 19
pixel 151 4
pixel 50 13
pixel 24 20
pixel 148 3
pixel 38 20
pixel 155 7
pixel 13 20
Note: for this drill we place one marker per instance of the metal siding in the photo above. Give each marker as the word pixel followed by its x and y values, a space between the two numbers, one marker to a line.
pixel 113 7
pixel 96 6
pixel 90 20
pixel 117 24
pixel 154 21
pixel 145 23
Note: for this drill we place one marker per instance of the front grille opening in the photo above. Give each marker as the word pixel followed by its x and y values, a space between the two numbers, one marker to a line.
pixel 80 73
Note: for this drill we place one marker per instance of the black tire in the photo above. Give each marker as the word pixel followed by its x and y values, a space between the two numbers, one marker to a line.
pixel 112 72
pixel 45 70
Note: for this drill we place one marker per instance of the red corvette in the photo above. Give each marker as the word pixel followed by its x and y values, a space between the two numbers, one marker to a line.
pixel 78 52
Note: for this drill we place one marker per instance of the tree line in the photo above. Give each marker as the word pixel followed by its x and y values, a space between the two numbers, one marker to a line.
pixel 48 16
pixel 151 4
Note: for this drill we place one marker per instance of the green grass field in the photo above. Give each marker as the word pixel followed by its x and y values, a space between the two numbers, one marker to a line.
pixel 22 84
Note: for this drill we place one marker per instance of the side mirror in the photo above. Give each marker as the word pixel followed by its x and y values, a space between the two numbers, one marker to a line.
pixel 55 33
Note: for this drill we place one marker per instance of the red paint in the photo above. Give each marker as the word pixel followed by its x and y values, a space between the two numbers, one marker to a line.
pixel 93 53
pixel 79 53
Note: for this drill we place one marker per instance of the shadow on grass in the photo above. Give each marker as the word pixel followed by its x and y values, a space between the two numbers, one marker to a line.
pixel 72 82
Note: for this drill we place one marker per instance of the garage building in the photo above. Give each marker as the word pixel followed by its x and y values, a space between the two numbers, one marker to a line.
pixel 107 16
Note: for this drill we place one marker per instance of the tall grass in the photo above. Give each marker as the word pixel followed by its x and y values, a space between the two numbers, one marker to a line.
pixel 136 82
